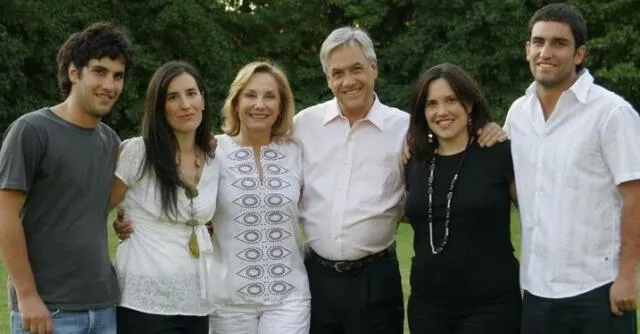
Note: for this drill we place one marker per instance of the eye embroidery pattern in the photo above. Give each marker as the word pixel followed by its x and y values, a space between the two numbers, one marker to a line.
pixel 261 214
pixel 246 183
pixel 240 155
pixel 248 219
pixel 277 217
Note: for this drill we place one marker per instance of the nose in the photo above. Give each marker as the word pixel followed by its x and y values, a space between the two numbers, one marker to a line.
pixel 109 84
pixel 545 51
pixel 185 102
pixel 348 80
pixel 260 104
pixel 440 109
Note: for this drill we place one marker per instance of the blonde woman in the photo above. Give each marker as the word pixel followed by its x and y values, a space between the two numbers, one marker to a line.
pixel 256 220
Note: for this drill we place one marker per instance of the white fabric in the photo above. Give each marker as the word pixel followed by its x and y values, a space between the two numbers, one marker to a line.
pixel 156 272
pixel 566 170
pixel 256 225
pixel 291 317
pixel 353 179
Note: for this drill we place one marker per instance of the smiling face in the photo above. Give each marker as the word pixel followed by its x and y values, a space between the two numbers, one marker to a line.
pixel 552 55
pixel 446 115
pixel 184 104
pixel 97 86
pixel 259 103
pixel 351 77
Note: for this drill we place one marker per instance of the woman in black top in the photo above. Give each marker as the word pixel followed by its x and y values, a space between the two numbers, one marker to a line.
pixel 464 276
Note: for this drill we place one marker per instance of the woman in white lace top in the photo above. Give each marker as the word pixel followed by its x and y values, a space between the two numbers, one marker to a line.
pixel 168 181
pixel 256 220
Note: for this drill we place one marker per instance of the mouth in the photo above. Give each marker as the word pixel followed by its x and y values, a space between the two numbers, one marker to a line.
pixel 258 116
pixel 444 123
pixel 186 117
pixel 351 92
pixel 105 97
pixel 545 66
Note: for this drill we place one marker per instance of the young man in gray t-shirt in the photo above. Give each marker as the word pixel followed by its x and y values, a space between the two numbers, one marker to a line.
pixel 56 168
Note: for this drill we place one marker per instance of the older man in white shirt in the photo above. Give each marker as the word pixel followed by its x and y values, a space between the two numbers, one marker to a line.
pixel 353 187
pixel 575 147
pixel 352 194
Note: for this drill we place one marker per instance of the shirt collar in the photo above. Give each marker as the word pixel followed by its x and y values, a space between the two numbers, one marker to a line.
pixel 375 115
pixel 580 88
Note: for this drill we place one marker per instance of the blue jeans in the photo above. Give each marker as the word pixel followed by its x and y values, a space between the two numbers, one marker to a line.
pixel 100 321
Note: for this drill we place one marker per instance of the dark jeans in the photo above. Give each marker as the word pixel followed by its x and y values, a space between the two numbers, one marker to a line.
pixel 135 322
pixel 365 300
pixel 498 315
pixel 588 313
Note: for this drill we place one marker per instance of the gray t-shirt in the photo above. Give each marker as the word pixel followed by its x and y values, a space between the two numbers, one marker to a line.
pixel 66 173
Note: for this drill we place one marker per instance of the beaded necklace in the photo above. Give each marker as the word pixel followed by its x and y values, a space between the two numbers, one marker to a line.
pixel 450 192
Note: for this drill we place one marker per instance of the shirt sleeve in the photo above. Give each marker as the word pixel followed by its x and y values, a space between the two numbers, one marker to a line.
pixel 620 138
pixel 130 161
pixel 20 156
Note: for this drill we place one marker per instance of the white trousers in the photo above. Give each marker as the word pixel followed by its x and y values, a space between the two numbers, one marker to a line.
pixel 289 317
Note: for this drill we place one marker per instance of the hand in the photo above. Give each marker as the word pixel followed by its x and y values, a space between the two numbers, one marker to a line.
pixel 122 227
pixel 35 316
pixel 491 134
pixel 209 226
pixel 406 153
pixel 622 295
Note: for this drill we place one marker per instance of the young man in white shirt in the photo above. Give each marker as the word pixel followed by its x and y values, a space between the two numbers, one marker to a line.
pixel 352 194
pixel 577 168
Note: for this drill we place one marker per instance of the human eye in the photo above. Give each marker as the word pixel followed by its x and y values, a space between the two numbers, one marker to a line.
pixel 451 100
pixel 430 104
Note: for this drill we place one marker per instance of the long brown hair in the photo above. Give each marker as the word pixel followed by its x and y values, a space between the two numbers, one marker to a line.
pixel 159 138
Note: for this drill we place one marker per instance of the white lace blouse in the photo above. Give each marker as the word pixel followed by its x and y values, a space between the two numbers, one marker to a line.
pixel 156 271
pixel 256 224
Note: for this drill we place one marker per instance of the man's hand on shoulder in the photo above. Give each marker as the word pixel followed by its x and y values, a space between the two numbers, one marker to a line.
pixel 491 134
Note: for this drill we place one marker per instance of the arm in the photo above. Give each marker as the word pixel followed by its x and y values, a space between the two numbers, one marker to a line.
pixel 35 315
pixel 624 290
pixel 118 190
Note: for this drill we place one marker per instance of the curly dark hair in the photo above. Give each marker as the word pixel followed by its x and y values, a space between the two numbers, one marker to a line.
pixel 99 40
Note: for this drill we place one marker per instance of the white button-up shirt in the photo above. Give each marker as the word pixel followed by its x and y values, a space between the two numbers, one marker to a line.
pixel 353 179
pixel 567 169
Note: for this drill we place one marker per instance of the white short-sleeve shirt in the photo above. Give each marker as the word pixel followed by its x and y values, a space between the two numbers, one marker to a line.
pixel 567 169
pixel 256 224
pixel 156 272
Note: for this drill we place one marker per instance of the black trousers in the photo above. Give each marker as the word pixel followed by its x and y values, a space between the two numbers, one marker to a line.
pixel 366 300
pixel 497 315
pixel 588 313
pixel 135 322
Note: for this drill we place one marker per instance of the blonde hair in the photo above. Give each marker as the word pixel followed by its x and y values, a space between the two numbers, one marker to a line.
pixel 283 126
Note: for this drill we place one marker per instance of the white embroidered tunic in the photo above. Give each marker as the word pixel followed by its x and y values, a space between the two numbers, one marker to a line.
pixel 156 272
pixel 256 224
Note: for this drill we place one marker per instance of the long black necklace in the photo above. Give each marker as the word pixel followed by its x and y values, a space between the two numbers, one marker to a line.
pixel 452 185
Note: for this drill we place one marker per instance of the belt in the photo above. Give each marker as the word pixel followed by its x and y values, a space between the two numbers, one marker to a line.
pixel 344 266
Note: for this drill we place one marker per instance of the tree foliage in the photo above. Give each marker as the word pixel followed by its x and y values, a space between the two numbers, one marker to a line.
pixel 485 37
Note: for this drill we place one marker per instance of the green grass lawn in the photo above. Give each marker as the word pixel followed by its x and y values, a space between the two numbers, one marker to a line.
pixel 405 252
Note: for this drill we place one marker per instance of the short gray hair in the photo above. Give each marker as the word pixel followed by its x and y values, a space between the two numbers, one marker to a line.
pixel 343 36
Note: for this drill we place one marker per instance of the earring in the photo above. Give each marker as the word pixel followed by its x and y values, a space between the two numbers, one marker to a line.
pixel 430 137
